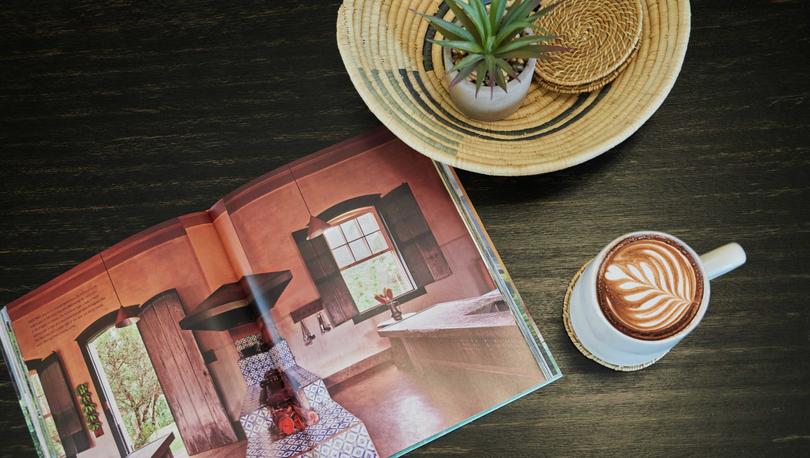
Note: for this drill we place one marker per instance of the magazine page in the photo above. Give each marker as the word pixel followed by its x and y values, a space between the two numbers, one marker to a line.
pixel 105 363
pixel 349 301
pixel 395 323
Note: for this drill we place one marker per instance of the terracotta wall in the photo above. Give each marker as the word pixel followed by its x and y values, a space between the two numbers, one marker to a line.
pixel 64 343
pixel 265 224
pixel 184 254
pixel 187 254
pixel 216 268
pixel 195 265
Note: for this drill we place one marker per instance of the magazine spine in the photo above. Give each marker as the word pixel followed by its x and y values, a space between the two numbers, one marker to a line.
pixel 17 371
pixel 499 273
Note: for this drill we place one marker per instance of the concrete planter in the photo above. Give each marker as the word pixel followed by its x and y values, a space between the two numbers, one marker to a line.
pixel 489 105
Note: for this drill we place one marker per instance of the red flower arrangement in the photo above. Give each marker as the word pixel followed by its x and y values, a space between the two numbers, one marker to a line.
pixel 387 298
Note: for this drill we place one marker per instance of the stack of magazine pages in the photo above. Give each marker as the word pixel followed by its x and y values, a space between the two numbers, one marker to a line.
pixel 349 303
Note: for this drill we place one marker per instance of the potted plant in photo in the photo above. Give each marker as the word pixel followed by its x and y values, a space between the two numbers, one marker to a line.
pixel 492 47
pixel 89 409
pixel 387 298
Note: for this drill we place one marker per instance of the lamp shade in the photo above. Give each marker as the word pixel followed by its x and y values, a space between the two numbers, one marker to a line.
pixel 238 303
pixel 127 316
pixel 316 227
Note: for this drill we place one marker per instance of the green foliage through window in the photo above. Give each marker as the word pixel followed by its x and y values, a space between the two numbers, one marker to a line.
pixel 367 260
pixel 52 435
pixel 371 276
pixel 134 384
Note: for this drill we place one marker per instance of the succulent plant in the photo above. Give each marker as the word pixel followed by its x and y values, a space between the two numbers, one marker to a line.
pixel 490 36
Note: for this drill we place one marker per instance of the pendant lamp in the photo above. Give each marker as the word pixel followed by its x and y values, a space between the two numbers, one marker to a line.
pixel 316 226
pixel 126 315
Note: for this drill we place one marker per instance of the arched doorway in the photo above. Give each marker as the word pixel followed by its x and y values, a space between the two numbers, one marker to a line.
pixel 130 393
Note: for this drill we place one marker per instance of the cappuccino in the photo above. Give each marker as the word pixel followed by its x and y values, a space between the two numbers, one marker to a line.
pixel 641 295
pixel 649 287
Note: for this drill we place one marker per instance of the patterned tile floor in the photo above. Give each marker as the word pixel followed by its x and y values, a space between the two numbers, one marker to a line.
pixel 254 367
pixel 337 434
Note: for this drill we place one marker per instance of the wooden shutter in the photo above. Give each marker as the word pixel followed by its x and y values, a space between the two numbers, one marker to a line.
pixel 413 236
pixel 335 296
pixel 181 371
pixel 62 404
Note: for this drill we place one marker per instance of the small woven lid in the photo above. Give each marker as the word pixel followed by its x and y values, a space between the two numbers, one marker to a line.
pixel 600 35
pixel 593 85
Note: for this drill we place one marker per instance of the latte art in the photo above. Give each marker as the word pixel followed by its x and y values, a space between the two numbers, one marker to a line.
pixel 649 287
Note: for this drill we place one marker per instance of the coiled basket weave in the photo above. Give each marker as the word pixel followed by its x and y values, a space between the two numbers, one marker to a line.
pixel 400 76
pixel 601 37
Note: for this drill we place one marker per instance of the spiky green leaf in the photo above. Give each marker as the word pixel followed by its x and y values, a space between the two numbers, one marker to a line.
pixel 494 74
pixel 519 43
pixel 463 18
pixel 460 44
pixel 500 79
pixel 508 31
pixel 496 9
pixel 480 74
pixel 504 65
pixel 463 73
pixel 468 61
pixel 477 21
pixel 482 16
pixel 542 12
pixel 448 29
pixel 532 51
pixel 489 45
pixel 520 9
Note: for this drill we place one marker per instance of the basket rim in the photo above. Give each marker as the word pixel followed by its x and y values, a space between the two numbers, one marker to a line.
pixel 492 165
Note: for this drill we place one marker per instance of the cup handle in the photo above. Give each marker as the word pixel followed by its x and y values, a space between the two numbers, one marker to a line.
pixel 722 260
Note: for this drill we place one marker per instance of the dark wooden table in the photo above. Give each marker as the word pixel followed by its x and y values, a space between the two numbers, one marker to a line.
pixel 115 116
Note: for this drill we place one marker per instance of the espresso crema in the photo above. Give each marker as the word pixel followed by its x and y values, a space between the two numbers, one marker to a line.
pixel 649 287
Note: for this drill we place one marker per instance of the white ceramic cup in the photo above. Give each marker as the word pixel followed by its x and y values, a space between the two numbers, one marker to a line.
pixel 607 343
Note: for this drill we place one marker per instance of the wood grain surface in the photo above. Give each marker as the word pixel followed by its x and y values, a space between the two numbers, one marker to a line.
pixel 118 115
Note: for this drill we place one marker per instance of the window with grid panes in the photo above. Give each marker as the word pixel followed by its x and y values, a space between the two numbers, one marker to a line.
pixel 367 258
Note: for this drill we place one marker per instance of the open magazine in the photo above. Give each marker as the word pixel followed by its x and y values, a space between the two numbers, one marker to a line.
pixel 348 304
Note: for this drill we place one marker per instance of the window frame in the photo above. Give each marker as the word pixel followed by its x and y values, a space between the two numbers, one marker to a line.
pixel 380 228
pixel 384 230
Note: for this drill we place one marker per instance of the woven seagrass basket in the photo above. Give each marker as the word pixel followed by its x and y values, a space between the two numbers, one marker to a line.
pixel 400 76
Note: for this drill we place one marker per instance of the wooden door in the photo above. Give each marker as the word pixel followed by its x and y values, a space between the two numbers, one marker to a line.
pixel 178 362
pixel 335 296
pixel 413 237
pixel 62 404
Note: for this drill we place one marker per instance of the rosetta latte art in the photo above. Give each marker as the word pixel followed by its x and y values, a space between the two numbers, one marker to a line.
pixel 649 288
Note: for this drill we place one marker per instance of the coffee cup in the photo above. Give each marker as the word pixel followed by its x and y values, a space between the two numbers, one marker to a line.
pixel 642 294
